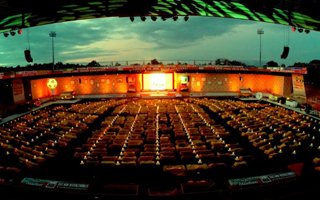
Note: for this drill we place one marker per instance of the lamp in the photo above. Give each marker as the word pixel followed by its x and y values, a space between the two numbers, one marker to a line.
pixel 175 18
pixel 307 31
pixel 154 18
pixel 6 34
pixel 163 18
pixel 143 18
pixel 131 18
pixel 52 34
pixel 186 18
pixel 12 33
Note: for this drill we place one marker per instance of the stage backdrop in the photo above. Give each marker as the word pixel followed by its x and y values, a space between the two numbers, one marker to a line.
pixel 84 85
pixel 197 83
pixel 207 83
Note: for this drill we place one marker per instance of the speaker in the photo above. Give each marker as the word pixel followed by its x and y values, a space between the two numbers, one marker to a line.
pixel 27 55
pixel 285 52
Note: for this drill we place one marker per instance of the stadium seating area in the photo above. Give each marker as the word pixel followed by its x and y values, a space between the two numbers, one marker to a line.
pixel 187 144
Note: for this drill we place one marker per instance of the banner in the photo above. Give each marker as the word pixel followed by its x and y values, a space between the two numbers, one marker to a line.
pixel 298 85
pixel 268 179
pixel 54 185
pixel 18 91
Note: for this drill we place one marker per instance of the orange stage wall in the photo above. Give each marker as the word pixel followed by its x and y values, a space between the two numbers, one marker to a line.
pixel 82 85
pixel 198 82
pixel 203 82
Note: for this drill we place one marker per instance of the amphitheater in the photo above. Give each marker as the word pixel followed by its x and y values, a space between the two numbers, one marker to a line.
pixel 158 131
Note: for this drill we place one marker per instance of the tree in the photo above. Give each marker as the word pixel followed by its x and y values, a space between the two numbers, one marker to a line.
pixel 93 64
pixel 59 65
pixel 299 64
pixel 237 63
pixel 315 63
pixel 272 63
pixel 222 61
pixel 154 62
pixel 313 72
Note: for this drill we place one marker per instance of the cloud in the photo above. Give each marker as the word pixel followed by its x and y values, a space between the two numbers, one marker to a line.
pixel 119 39
pixel 113 38
pixel 110 50
pixel 69 35
pixel 178 34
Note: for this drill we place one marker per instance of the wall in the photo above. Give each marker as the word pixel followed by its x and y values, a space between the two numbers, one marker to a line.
pixel 198 82
pixel 82 85
pixel 203 82
pixel 18 91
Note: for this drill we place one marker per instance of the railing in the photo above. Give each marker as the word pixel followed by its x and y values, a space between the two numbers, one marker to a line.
pixel 151 68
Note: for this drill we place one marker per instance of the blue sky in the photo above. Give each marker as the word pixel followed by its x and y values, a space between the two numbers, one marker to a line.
pixel 199 38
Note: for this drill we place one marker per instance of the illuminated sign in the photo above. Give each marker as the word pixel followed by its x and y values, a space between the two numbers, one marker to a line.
pixel 52 83
pixel 158 81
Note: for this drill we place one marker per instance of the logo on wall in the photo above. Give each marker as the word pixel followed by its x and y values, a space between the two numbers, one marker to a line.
pixel 52 84
pixel 299 82
pixel 298 85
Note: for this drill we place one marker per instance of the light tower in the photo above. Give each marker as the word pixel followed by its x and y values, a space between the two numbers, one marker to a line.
pixel 260 32
pixel 52 34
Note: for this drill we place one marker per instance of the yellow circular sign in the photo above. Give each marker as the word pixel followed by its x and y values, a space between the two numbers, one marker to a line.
pixel 52 83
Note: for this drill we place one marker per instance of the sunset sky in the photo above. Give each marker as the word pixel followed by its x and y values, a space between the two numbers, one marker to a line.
pixel 120 40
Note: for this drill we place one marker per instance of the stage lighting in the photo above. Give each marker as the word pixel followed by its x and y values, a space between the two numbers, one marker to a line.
pixel 131 18
pixel 307 31
pixel 154 18
pixel 12 33
pixel 20 31
pixel 143 18
pixel 300 30
pixel 293 28
pixel 175 18
pixel 163 18
pixel 6 34
pixel 186 18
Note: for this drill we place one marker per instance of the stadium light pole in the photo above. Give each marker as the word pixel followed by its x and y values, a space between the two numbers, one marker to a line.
pixel 260 32
pixel 52 34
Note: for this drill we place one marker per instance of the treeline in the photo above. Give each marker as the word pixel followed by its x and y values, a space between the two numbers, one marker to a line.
pixel 314 64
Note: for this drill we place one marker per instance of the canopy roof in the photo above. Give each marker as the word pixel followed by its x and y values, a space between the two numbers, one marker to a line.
pixel 16 14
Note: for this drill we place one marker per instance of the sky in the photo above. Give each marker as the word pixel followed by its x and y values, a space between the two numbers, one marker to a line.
pixel 117 39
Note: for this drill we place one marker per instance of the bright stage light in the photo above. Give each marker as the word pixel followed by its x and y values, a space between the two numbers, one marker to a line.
pixel 157 81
